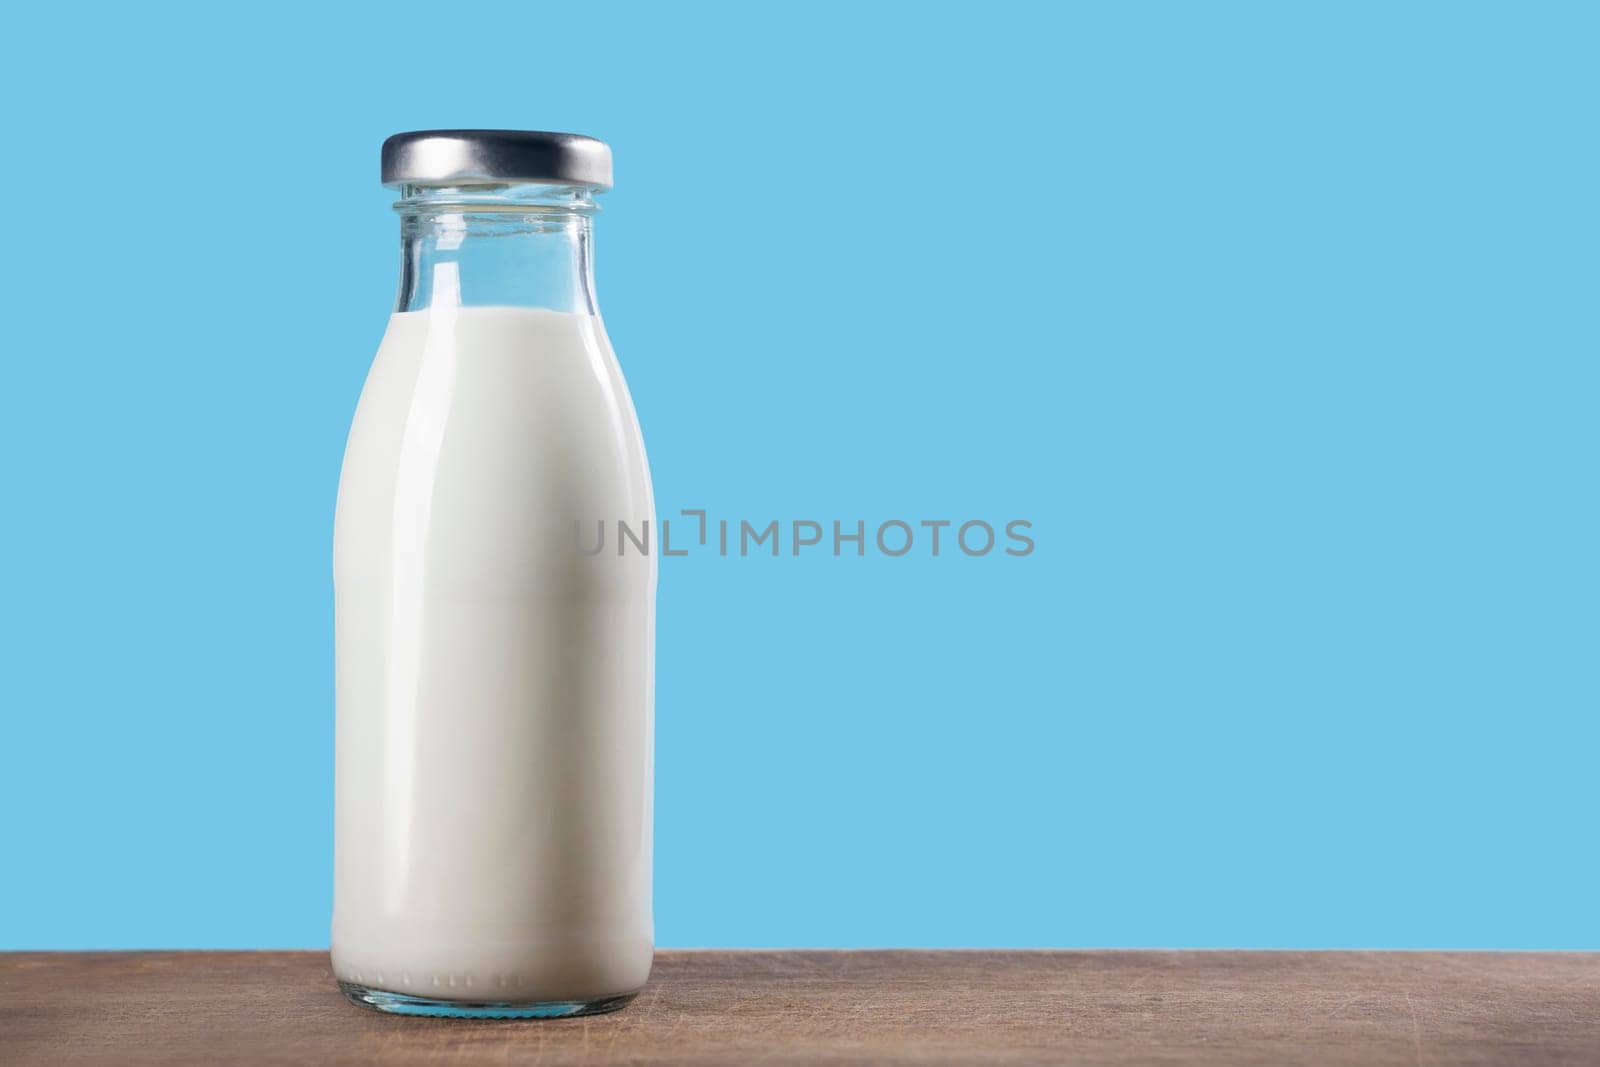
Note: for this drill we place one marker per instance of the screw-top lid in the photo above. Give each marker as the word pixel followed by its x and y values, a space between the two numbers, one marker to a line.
pixel 477 157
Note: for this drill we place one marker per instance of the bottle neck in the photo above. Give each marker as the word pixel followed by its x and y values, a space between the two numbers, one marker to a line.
pixel 500 245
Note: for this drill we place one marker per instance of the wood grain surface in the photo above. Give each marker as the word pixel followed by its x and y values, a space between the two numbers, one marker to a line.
pixel 839 1007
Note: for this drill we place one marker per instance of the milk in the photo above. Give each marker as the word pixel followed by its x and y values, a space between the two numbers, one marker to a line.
pixel 494 684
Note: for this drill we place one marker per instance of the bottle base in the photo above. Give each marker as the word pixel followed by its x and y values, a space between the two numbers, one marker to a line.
pixel 405 1004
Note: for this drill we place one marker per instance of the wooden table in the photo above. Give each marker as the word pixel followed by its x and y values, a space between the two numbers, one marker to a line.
pixel 840 1007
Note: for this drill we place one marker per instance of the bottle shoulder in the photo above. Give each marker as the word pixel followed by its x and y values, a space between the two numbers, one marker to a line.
pixel 495 420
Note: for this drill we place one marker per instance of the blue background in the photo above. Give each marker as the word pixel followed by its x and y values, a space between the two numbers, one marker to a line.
pixel 1277 321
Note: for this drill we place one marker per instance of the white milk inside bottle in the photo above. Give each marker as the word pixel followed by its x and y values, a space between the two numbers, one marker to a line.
pixel 494 674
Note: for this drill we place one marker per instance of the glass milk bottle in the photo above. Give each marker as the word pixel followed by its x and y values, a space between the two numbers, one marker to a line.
pixel 494 681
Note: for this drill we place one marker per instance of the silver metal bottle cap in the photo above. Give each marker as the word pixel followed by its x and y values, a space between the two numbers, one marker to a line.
pixel 478 157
